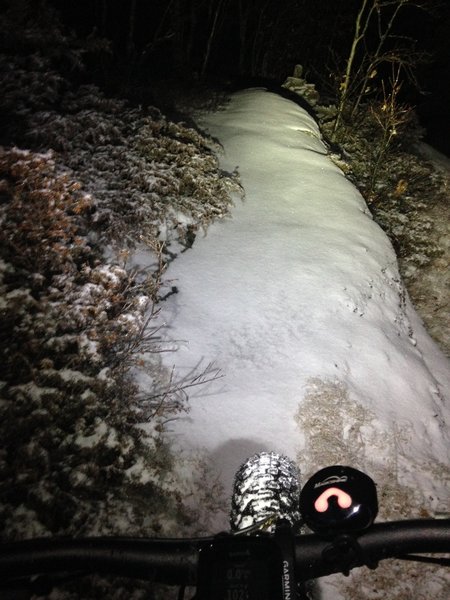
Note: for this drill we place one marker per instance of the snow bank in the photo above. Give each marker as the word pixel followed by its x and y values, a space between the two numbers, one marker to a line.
pixel 298 300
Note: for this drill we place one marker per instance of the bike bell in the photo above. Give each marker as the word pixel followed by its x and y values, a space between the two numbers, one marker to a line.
pixel 338 500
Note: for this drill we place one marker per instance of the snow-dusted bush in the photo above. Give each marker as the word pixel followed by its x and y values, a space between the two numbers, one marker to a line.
pixel 73 460
pixel 75 457
pixel 151 177
pixel 41 228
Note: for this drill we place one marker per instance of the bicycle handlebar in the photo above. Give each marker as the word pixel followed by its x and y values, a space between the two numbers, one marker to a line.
pixel 175 561
pixel 171 561
pixel 317 558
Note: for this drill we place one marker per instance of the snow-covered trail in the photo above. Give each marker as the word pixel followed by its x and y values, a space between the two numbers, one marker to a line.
pixel 297 299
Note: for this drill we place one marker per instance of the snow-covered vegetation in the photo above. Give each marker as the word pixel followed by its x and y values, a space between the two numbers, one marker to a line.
pixel 70 321
pixel 84 181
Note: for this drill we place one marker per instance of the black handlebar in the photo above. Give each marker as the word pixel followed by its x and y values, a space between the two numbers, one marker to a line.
pixel 316 558
pixel 171 561
pixel 175 561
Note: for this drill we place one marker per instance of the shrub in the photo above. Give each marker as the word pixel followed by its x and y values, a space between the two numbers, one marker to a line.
pixel 73 460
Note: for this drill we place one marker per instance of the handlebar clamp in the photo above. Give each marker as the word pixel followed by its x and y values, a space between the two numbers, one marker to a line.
pixel 344 553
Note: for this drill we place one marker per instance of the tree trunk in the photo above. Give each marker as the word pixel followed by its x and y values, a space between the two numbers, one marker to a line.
pixel 130 50
pixel 217 12
pixel 244 19
pixel 362 22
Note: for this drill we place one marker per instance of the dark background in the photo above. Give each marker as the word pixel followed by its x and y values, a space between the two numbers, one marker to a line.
pixel 245 40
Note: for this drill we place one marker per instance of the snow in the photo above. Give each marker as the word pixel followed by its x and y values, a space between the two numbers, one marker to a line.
pixel 298 297
pixel 299 284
